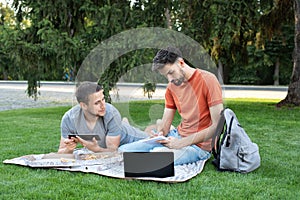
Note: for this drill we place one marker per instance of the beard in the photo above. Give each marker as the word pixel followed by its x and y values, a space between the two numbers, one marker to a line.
pixel 178 81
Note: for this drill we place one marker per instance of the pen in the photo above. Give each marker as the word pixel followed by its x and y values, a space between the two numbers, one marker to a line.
pixel 155 132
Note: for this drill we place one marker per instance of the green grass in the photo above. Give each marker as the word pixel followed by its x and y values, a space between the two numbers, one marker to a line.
pixel 36 131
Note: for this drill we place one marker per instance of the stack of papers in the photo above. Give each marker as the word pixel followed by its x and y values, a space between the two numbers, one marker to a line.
pixel 153 139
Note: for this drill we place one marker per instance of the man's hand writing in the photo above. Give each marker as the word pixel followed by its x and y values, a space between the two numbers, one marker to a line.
pixel 172 143
pixel 155 133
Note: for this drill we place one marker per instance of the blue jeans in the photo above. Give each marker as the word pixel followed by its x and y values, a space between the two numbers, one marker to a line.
pixel 185 155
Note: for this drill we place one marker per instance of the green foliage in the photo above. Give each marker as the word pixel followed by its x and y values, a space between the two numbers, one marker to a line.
pixel 129 72
pixel 7 71
pixel 235 26
pixel 49 40
pixel 261 62
pixel 274 130
pixel 149 89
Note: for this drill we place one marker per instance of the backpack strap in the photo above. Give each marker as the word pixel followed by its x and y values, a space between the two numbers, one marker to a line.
pixel 229 132
pixel 220 128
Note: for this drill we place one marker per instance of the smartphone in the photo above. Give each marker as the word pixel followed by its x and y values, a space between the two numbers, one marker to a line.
pixel 70 136
pixel 85 137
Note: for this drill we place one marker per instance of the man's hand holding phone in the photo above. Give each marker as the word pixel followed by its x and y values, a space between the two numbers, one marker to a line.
pixel 88 141
pixel 71 143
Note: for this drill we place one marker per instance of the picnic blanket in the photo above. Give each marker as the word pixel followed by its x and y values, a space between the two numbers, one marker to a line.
pixel 107 164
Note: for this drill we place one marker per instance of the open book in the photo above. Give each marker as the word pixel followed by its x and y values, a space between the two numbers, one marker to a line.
pixel 152 140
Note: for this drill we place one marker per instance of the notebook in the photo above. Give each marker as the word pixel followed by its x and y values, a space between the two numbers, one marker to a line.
pixel 148 164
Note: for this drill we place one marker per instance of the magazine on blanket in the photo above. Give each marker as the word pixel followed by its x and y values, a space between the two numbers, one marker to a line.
pixel 152 140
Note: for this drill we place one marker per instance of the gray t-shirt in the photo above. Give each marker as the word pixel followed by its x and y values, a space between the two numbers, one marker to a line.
pixel 111 124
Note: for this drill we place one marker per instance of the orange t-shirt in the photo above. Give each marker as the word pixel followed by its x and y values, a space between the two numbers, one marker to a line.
pixel 192 99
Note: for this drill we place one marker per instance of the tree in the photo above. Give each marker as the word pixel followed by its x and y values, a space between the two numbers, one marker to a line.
pixel 7 31
pixel 143 13
pixel 293 96
pixel 233 29
pixel 62 33
pixel 52 38
pixel 271 24
pixel 47 46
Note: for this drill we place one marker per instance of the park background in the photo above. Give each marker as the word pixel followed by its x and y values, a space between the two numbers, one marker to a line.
pixel 251 42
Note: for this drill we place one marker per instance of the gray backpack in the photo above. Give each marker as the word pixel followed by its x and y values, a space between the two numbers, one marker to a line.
pixel 232 147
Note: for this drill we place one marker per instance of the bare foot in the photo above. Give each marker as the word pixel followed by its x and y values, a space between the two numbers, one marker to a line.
pixel 125 120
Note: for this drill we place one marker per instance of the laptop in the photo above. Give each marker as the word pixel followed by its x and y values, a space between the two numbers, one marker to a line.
pixel 148 164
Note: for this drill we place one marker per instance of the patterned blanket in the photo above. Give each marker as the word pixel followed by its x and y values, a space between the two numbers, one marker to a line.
pixel 106 164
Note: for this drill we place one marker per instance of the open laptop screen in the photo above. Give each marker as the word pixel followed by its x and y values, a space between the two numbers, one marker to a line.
pixel 148 164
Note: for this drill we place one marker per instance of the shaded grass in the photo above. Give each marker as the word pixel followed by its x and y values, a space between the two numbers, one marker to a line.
pixel 35 131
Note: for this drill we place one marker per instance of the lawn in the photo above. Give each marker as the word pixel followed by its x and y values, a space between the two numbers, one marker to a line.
pixel 36 131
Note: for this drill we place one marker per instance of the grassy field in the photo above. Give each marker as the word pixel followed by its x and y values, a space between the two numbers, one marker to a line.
pixel 36 131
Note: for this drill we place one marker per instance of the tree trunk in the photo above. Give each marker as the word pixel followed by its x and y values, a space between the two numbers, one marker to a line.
pixel 276 72
pixel 168 18
pixel 293 96
pixel 220 72
pixel 5 76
